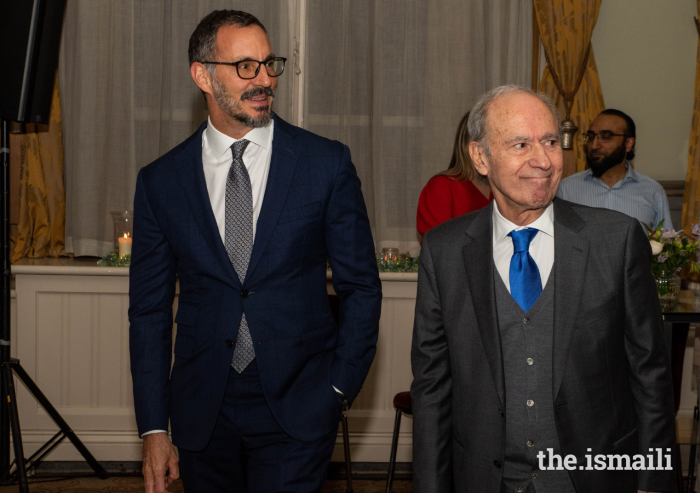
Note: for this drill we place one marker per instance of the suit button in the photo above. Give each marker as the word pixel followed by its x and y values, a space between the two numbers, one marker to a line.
pixel 497 464
pixel 520 489
pixel 526 320
pixel 244 293
pixel 530 443
pixel 229 343
pixel 500 411
pixel 533 475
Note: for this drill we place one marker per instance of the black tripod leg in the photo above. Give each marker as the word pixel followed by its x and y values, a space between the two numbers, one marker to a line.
pixel 16 433
pixel 4 430
pixel 5 288
pixel 48 407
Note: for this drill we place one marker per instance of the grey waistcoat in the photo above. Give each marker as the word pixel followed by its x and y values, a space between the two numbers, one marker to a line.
pixel 526 342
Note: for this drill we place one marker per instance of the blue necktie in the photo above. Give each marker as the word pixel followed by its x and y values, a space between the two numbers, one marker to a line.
pixel 525 282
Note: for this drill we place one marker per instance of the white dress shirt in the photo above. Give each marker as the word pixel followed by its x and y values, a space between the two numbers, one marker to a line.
pixel 541 247
pixel 217 158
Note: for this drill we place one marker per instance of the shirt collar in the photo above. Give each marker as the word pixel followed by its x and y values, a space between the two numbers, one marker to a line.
pixel 220 143
pixel 631 173
pixel 502 226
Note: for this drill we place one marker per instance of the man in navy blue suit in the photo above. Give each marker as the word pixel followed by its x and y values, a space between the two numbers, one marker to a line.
pixel 245 213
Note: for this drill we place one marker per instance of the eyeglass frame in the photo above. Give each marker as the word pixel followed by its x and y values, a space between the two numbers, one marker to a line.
pixel 257 71
pixel 587 138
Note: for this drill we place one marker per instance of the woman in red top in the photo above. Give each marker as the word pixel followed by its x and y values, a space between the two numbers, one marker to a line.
pixel 456 191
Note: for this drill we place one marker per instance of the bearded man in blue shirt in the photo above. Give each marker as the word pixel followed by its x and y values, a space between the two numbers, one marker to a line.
pixel 611 182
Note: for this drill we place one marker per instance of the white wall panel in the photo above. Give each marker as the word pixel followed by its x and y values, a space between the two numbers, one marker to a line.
pixel 73 340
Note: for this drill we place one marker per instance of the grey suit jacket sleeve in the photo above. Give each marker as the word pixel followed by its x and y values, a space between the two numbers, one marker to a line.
pixel 431 390
pixel 650 376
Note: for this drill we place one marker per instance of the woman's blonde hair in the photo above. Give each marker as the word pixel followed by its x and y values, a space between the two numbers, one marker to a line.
pixel 461 167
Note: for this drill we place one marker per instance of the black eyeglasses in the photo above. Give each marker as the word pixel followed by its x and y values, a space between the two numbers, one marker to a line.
pixel 603 136
pixel 248 69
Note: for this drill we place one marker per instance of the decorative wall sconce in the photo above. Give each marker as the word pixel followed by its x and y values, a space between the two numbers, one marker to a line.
pixel 568 130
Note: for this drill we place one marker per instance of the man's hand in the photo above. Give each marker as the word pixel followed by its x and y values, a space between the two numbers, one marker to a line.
pixel 159 459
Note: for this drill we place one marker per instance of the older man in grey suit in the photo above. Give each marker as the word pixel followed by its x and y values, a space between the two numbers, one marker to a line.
pixel 538 332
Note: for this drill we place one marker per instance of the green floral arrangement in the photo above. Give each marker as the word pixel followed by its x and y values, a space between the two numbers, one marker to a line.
pixel 672 250
pixel 405 263
pixel 112 259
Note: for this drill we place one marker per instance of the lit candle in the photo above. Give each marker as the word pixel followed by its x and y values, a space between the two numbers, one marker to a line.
pixel 124 245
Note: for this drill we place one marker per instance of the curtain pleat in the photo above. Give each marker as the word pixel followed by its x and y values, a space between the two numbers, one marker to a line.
pixel 691 197
pixel 129 98
pixel 571 77
pixel 42 203
pixel 392 79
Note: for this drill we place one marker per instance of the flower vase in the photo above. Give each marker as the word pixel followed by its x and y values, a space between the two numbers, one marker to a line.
pixel 668 284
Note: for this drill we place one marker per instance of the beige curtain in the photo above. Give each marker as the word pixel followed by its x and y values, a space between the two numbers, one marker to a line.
pixel 392 78
pixel 39 207
pixel 691 197
pixel 571 76
pixel 128 98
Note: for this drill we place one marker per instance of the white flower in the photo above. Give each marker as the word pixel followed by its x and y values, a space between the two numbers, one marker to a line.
pixel 656 247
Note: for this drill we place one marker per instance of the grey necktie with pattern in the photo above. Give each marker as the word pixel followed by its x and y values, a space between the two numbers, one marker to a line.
pixel 239 241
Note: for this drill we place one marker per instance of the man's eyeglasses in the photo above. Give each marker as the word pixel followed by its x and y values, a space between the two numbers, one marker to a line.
pixel 603 136
pixel 248 69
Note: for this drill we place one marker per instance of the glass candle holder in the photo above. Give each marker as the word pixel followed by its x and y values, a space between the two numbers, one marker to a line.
pixel 123 222
pixel 391 254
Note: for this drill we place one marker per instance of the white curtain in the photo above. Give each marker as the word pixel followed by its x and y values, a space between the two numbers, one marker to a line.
pixel 392 78
pixel 128 97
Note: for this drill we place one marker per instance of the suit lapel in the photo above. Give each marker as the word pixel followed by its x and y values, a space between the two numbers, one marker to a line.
pixel 191 173
pixel 282 165
pixel 478 263
pixel 571 257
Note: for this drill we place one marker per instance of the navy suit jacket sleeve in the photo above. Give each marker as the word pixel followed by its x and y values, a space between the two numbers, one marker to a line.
pixel 151 294
pixel 355 279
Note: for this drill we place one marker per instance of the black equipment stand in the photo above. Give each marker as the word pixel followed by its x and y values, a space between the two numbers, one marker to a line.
pixel 9 416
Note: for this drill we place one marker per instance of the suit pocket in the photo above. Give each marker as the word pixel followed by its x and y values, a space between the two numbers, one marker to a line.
pixel 184 344
pixel 320 339
pixel 312 209
pixel 186 320
pixel 186 313
pixel 457 454
pixel 630 439
pixel 597 313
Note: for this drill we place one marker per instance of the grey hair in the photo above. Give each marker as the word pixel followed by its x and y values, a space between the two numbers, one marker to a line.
pixel 479 113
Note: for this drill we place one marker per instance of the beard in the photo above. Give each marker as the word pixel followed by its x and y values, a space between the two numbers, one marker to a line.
pixel 598 168
pixel 233 108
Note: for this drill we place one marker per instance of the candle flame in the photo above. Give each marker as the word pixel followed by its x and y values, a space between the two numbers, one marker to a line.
pixel 126 235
